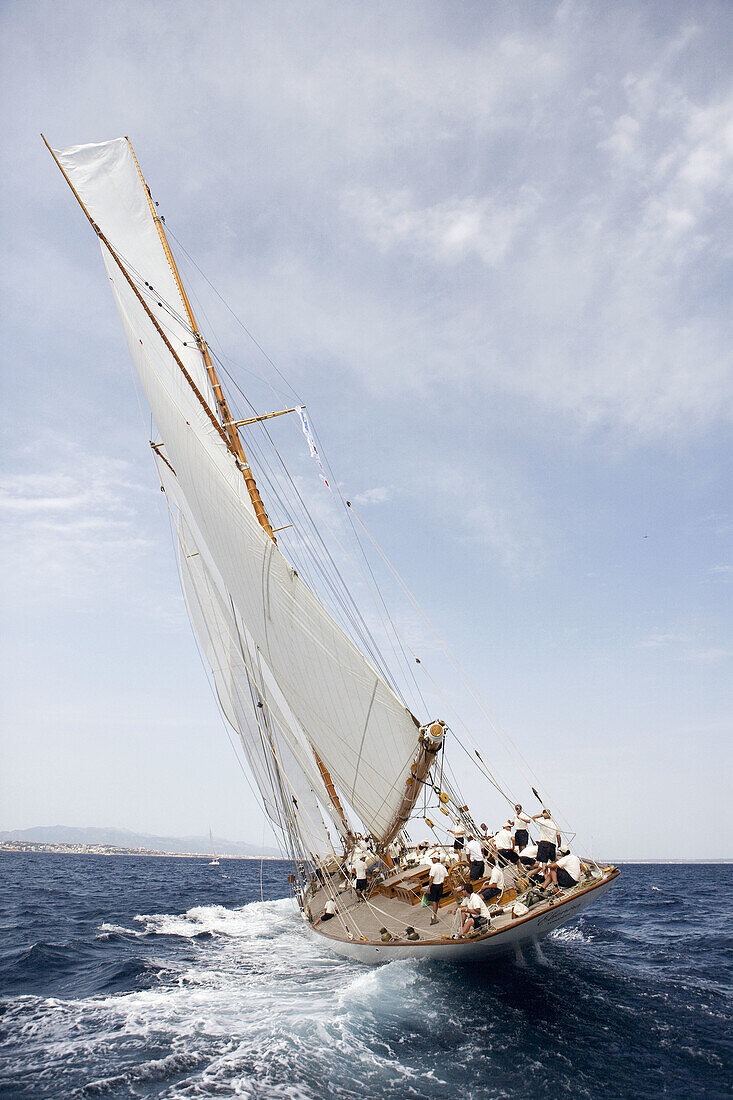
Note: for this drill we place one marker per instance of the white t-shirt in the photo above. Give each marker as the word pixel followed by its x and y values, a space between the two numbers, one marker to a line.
pixel 360 869
pixel 477 902
pixel 528 852
pixel 548 829
pixel 503 839
pixel 438 872
pixel 497 878
pixel 459 830
pixel 571 864
pixel 330 907
pixel 521 821
pixel 473 848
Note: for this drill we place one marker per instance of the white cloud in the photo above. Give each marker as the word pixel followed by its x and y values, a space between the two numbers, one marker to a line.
pixel 64 528
pixel 377 495
pixel 446 232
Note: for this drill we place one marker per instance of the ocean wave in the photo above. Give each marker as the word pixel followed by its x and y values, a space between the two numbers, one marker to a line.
pixel 212 997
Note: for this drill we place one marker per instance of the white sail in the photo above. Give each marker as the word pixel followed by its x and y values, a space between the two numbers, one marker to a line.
pixel 107 180
pixel 280 757
pixel 364 735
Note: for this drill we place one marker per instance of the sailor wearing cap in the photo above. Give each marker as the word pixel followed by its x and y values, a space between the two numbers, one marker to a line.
pixel 505 844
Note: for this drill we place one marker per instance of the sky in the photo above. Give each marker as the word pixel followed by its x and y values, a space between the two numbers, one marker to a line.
pixel 489 245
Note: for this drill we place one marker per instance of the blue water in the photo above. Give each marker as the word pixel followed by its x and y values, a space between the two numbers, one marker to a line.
pixel 134 977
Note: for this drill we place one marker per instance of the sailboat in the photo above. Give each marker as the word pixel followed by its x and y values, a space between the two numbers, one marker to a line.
pixel 214 862
pixel 345 770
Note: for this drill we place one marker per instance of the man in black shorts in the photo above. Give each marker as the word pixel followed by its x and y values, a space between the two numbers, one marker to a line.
pixel 521 828
pixel 565 872
pixel 549 838
pixel 438 873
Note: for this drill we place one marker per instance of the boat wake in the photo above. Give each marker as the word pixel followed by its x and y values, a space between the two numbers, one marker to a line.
pixel 241 1007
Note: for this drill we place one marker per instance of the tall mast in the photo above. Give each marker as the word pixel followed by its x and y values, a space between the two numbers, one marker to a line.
pixel 227 420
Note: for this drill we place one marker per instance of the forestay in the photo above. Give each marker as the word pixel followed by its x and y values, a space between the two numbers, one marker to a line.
pixel 363 733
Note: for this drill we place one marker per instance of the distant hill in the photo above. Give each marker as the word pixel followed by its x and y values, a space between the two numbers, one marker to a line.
pixel 123 838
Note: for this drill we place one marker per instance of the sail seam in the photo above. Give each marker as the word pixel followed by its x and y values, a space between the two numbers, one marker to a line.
pixel 361 746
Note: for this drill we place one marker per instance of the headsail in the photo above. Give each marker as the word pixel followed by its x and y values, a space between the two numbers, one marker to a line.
pixel 362 732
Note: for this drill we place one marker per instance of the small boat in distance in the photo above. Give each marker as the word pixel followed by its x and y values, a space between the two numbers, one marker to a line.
pixel 346 767
pixel 214 862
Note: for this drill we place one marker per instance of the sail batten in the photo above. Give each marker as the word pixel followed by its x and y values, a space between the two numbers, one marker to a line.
pixel 343 709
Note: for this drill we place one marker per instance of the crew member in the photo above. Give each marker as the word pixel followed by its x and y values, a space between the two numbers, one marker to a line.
pixel 360 874
pixel 505 844
pixel 329 910
pixel 438 872
pixel 521 828
pixel 549 838
pixel 564 872
pixel 459 837
pixel 475 858
pixel 495 886
pixel 477 915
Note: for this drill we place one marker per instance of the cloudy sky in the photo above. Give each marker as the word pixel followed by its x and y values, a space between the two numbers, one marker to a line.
pixel 489 244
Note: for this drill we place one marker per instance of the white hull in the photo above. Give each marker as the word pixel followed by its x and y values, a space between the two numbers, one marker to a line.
pixel 505 941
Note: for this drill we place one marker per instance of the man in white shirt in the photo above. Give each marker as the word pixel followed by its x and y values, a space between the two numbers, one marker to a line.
pixel 438 872
pixel 360 874
pixel 459 836
pixel 549 838
pixel 475 859
pixel 477 915
pixel 504 842
pixel 521 828
pixel 394 852
pixel 495 886
pixel 565 872
pixel 329 910
pixel 528 859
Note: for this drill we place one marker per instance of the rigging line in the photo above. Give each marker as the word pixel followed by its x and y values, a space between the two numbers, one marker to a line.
pixel 493 721
pixel 207 671
pixel 234 315
pixel 223 355
pixel 342 596
pixel 400 641
pixel 268 714
pixel 346 600
pixel 263 697
pixel 501 785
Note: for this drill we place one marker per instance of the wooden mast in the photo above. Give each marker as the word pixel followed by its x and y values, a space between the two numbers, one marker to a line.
pixel 227 421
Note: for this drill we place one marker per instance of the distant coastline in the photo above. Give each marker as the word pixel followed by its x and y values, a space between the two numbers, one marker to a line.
pixel 110 850
pixel 114 841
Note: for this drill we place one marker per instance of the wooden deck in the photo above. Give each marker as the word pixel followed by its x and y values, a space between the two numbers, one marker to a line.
pixel 395 905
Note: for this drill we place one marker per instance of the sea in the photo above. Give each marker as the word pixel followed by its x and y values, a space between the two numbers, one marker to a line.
pixel 127 977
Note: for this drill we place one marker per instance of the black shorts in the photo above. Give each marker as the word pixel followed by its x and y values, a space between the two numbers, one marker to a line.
pixel 480 924
pixel 489 893
pixel 435 892
pixel 327 916
pixel 546 851
pixel 565 879
pixel 508 855
pixel 458 844
pixel 521 838
pixel 476 870
pixel 361 884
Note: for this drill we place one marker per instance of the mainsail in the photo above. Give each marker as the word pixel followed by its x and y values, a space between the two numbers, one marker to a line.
pixel 259 625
